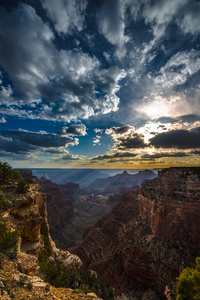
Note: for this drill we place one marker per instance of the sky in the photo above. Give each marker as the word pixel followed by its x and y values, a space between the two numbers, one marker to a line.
pixel 100 83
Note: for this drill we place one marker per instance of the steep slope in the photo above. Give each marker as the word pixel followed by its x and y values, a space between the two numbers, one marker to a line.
pixel 141 245
pixel 114 183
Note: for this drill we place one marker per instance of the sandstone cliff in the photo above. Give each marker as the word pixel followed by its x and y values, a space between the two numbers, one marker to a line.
pixel 140 247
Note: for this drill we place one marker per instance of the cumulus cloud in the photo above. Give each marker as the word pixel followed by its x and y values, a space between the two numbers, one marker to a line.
pixel 77 130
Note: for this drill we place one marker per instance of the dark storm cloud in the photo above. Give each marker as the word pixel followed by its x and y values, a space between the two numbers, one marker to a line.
pixel 39 139
pixel 77 130
pixel 181 139
pixel 114 155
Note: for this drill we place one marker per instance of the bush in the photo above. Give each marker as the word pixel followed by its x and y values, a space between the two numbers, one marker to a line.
pixel 188 285
pixel 4 204
pixel 22 186
pixel 78 280
pixel 8 241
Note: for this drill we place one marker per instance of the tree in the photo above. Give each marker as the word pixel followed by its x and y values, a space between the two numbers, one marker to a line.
pixel 5 172
pixel 7 175
pixel 188 285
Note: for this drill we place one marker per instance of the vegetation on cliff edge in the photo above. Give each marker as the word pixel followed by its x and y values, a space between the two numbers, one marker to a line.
pixel 188 285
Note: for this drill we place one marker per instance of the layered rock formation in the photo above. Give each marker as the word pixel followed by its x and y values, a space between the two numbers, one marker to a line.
pixel 140 247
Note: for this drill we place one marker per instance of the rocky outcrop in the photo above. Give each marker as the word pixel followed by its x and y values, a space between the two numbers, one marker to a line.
pixel 140 247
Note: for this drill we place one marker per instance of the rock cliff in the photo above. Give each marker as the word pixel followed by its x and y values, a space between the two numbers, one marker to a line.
pixel 140 247
pixel 59 205
pixel 20 273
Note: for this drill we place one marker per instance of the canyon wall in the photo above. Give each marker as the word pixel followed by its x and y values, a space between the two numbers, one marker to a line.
pixel 140 247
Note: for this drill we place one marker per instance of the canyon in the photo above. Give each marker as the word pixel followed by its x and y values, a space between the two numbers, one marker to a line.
pixel 72 209
pixel 141 245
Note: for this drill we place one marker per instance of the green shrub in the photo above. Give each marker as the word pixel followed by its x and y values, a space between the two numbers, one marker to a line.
pixel 78 280
pixel 188 285
pixel 4 204
pixel 22 186
pixel 8 241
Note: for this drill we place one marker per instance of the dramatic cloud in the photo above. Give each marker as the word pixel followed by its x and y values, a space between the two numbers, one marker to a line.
pixel 77 130
pixel 54 83
pixel 40 139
